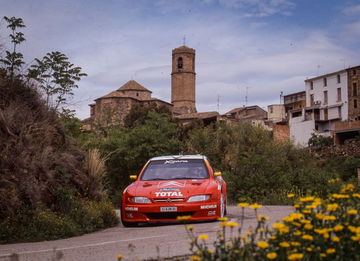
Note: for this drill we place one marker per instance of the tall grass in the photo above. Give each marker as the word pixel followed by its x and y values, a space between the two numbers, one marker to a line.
pixel 96 167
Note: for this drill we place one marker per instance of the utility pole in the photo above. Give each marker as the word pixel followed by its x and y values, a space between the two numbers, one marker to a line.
pixel 218 103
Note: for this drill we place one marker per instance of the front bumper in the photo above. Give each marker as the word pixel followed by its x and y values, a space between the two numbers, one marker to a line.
pixel 155 212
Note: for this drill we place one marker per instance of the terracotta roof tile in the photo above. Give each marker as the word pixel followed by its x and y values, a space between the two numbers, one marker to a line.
pixel 134 86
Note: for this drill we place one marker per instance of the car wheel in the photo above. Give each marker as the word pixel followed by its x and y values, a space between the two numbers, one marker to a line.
pixel 222 206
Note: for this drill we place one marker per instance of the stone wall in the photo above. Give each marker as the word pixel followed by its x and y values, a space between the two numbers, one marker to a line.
pixel 351 148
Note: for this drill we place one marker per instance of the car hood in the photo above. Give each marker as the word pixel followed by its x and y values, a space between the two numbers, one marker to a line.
pixel 172 188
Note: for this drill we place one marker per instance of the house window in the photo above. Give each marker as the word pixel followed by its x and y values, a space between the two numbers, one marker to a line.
pixel 354 89
pixel 271 109
pixel 355 104
pixel 338 78
pixel 354 72
pixel 325 81
pixel 339 111
pixel 137 94
pixel 326 114
pixel 325 97
pixel 311 85
pixel 180 63
pixel 311 99
pixel 339 94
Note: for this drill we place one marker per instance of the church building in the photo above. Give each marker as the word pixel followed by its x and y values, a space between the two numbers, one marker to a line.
pixel 113 107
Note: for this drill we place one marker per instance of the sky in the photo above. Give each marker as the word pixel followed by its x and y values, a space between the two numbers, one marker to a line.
pixel 247 51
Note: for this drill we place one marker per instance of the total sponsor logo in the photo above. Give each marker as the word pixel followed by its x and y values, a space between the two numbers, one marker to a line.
pixel 168 194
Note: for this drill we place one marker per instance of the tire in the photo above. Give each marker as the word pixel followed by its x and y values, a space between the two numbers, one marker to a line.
pixel 129 224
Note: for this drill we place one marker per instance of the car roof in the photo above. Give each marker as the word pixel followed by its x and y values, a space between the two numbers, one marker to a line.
pixel 179 157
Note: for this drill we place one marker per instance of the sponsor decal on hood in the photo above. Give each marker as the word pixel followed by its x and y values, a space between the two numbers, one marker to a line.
pixel 171 184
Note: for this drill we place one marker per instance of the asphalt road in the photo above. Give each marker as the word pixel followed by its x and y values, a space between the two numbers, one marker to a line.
pixel 134 243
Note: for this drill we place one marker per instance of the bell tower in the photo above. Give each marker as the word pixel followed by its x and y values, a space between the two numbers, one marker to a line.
pixel 183 80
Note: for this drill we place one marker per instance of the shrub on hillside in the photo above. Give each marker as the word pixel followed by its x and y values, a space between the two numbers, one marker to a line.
pixel 128 149
pixel 44 181
pixel 255 166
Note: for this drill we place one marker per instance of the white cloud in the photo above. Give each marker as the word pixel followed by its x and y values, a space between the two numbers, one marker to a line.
pixel 352 10
pixel 260 8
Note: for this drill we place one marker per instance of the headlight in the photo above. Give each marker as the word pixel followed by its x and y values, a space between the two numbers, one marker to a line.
pixel 140 200
pixel 198 198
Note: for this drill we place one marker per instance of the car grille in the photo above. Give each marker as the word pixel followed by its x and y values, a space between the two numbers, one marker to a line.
pixel 169 199
pixel 168 215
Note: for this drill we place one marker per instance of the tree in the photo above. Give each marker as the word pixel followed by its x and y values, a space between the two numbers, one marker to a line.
pixel 14 60
pixel 56 76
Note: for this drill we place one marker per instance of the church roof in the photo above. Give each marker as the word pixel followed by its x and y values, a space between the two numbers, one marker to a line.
pixel 133 86
pixel 182 49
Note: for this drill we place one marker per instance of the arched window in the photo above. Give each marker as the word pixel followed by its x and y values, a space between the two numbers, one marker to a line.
pixel 180 63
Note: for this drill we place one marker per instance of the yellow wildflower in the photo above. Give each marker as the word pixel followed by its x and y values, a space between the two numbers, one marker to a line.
pixel 307 199
pixel 339 196
pixel 229 224
pixel 305 221
pixel 352 212
pixel 262 217
pixel 195 258
pixel 278 225
pixel 273 237
pixel 255 206
pixel 335 239
pixel 203 237
pixel 347 188
pixel 309 249
pixel 338 228
pixel 295 256
pixel 210 251
pixel 296 206
pixel 291 195
pixel 297 233
pixel 223 219
pixel 307 237
pixel 322 255
pixel 356 238
pixel 284 244
pixel 308 226
pixel 295 244
pixel 356 195
pixel 190 227
pixel 271 255
pixel 331 218
pixel 243 204
pixel 119 257
pixel 332 207
pixel 320 216
pixel 306 211
pixel 262 244
pixel 330 251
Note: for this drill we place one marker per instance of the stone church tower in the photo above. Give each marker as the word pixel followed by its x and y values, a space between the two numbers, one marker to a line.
pixel 183 80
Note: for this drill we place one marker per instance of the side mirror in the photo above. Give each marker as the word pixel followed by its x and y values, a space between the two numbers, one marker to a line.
pixel 133 177
pixel 218 173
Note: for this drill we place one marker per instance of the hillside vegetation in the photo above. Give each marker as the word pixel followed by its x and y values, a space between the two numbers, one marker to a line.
pixel 48 188
pixel 254 165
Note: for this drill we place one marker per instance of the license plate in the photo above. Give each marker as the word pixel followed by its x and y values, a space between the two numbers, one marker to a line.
pixel 168 209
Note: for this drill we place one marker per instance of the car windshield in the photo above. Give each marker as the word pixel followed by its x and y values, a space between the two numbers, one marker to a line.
pixel 175 169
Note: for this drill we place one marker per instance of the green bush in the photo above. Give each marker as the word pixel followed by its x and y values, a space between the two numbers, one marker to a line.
pixel 255 166
pixel 84 216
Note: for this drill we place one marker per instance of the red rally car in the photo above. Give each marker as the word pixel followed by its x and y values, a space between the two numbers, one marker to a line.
pixel 173 186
